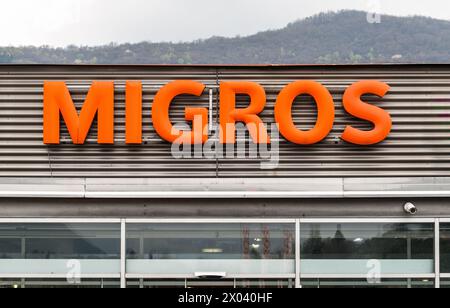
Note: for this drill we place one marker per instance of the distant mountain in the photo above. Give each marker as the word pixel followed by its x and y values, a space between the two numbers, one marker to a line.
pixel 344 37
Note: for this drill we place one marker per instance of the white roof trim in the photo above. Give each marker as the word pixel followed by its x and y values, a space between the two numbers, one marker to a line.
pixel 302 188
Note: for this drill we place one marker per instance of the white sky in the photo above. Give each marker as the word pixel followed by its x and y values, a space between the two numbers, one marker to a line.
pixel 95 22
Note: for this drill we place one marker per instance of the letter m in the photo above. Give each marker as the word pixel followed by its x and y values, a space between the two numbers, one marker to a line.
pixel 99 101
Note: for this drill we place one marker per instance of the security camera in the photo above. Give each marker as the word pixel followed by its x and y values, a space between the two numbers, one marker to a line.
pixel 410 208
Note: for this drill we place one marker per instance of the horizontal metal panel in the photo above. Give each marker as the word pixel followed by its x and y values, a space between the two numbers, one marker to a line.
pixel 419 145
pixel 225 188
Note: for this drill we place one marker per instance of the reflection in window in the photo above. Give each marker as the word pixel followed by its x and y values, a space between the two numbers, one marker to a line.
pixel 367 241
pixel 11 283
pixel 10 248
pixel 210 241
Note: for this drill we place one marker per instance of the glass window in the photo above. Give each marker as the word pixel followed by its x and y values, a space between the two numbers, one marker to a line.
pixel 60 241
pixel 156 283
pixel 185 249
pixel 59 283
pixel 10 248
pixel 210 241
pixel 361 283
pixel 44 249
pixel 265 283
pixel 205 283
pixel 445 247
pixel 242 283
pixel 10 283
pixel 370 249
pixel 210 284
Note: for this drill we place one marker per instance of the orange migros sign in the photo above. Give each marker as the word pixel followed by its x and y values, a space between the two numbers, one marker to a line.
pixel 100 103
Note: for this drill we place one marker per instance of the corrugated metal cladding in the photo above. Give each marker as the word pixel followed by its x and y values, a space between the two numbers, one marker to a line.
pixel 419 145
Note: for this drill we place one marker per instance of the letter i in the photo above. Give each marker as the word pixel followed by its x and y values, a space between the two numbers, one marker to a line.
pixel 133 112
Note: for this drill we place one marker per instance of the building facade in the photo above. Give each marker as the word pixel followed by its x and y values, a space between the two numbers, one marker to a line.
pixel 329 214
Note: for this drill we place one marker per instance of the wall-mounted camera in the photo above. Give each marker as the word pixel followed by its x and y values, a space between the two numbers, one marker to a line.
pixel 410 208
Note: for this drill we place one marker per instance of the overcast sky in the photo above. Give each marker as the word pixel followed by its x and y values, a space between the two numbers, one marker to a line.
pixel 94 22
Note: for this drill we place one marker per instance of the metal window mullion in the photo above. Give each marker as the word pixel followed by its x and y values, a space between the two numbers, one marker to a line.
pixel 123 282
pixel 437 252
pixel 297 255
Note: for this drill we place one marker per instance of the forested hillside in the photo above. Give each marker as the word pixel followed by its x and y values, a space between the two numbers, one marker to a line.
pixel 344 37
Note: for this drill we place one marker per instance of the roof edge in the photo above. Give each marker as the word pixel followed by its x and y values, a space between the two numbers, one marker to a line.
pixel 362 65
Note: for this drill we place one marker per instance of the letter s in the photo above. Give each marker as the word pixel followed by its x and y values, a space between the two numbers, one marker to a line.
pixel 379 117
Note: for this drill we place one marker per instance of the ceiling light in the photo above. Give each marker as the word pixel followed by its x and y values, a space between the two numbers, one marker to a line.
pixel 212 250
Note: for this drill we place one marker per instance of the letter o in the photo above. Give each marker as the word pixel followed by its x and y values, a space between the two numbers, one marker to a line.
pixel 325 116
